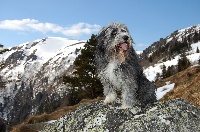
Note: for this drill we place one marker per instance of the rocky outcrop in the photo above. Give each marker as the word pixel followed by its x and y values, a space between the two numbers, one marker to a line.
pixel 173 115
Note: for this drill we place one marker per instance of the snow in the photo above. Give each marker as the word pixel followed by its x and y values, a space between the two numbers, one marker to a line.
pixel 168 40
pixel 44 49
pixel 51 121
pixel 193 57
pixel 139 52
pixel 50 52
pixel 161 91
pixel 195 45
pixel 184 32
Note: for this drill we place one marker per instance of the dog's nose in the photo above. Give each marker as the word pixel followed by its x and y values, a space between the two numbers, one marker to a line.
pixel 125 37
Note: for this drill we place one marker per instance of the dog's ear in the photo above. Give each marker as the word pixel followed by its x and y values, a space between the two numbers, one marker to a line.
pixel 100 39
pixel 101 34
pixel 100 46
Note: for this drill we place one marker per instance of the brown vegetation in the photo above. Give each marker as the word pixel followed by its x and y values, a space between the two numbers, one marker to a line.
pixel 187 86
pixel 22 128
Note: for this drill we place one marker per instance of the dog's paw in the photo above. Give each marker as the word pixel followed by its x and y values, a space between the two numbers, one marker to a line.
pixel 110 98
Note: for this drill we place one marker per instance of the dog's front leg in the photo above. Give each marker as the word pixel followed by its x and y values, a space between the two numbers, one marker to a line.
pixel 110 94
pixel 129 96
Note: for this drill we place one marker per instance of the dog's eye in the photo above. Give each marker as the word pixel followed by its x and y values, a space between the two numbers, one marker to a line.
pixel 114 32
pixel 123 30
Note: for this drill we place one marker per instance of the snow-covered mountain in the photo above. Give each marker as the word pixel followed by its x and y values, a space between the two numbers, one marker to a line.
pixel 167 51
pixel 32 73
pixel 189 34
pixel 193 57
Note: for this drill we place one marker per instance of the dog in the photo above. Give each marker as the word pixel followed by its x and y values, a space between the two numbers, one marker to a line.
pixel 119 70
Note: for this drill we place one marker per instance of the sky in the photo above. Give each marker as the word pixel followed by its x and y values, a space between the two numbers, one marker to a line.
pixel 147 20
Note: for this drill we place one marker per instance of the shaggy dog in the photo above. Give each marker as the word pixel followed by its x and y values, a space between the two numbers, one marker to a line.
pixel 119 70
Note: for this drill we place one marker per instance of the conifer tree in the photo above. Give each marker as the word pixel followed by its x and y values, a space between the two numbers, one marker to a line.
pixel 197 51
pixel 170 71
pixel 164 72
pixel 183 62
pixel 150 59
pixel 196 37
pixel 83 81
pixel 157 76
pixel 2 83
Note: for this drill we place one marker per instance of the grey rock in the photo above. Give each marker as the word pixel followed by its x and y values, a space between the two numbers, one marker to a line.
pixel 173 115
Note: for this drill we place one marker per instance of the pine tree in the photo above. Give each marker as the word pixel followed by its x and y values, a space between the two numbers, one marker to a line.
pixel 3 50
pixel 197 51
pixel 2 83
pixel 183 62
pixel 164 72
pixel 83 81
pixel 196 37
pixel 150 59
pixel 170 71
pixel 157 76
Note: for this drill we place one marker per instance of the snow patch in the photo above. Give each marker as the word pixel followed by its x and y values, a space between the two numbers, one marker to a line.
pixel 162 91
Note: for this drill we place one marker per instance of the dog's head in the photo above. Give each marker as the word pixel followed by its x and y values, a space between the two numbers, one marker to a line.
pixel 115 41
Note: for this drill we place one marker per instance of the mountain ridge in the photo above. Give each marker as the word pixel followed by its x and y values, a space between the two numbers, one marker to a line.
pixel 170 46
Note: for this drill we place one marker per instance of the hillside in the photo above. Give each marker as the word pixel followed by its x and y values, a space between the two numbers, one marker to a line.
pixel 32 76
pixel 171 46
pixel 187 86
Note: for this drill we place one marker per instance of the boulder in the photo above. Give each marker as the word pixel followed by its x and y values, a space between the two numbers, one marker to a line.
pixel 172 115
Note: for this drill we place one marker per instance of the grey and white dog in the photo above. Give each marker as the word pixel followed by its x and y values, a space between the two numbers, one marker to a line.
pixel 119 70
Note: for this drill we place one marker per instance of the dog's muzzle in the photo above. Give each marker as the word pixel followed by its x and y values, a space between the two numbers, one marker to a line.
pixel 123 45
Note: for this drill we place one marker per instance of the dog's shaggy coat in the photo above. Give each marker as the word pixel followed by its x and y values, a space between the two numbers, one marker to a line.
pixel 119 70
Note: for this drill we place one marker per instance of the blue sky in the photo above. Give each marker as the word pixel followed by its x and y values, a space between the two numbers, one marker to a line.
pixel 147 20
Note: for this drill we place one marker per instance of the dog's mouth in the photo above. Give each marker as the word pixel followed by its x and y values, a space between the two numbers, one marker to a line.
pixel 123 46
pixel 121 50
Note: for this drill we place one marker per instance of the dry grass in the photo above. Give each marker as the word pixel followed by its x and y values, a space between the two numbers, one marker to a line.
pixel 24 127
pixel 187 86
pixel 58 113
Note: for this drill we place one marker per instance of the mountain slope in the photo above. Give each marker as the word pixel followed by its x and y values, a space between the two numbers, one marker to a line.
pixel 187 86
pixel 32 73
pixel 167 51
pixel 174 44
pixel 186 83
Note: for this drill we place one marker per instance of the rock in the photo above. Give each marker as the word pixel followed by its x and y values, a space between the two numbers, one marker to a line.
pixel 173 115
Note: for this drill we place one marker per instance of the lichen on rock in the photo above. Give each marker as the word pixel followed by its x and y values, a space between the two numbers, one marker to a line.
pixel 173 115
